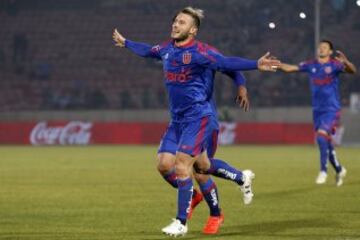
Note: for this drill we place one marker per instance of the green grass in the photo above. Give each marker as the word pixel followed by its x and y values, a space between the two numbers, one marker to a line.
pixel 115 192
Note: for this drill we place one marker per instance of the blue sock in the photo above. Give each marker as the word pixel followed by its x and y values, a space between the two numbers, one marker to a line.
pixel 221 169
pixel 323 147
pixel 185 190
pixel 333 159
pixel 209 190
pixel 170 177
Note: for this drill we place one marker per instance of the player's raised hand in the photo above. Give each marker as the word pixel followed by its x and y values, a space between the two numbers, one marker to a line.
pixel 341 57
pixel 349 66
pixel 268 63
pixel 242 98
pixel 118 38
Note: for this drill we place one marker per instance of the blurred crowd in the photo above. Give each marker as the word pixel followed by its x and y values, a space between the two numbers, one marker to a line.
pixel 60 55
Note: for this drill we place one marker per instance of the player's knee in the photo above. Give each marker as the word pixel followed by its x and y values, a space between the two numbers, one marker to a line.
pixel 183 165
pixel 322 136
pixel 166 162
pixel 201 178
pixel 200 169
pixel 181 171
pixel 322 132
pixel 203 164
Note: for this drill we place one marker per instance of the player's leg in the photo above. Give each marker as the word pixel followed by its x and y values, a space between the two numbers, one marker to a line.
pixel 166 155
pixel 334 119
pixel 322 142
pixel 340 170
pixel 192 142
pixel 331 149
pixel 322 139
pixel 220 168
pixel 166 162
pixel 325 128
pixel 210 193
pixel 166 167
pixel 183 168
pixel 206 183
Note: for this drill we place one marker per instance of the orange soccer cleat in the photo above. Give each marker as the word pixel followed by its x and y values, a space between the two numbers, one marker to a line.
pixel 194 202
pixel 213 224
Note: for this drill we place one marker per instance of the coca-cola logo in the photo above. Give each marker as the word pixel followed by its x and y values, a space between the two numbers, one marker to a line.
pixel 73 133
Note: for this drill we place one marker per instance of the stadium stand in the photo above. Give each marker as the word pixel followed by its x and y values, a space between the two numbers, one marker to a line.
pixel 60 55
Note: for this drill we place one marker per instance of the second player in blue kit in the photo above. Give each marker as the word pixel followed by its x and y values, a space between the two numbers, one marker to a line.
pixel 324 85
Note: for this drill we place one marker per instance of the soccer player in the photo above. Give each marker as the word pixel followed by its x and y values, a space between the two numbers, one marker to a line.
pixel 167 155
pixel 324 80
pixel 188 65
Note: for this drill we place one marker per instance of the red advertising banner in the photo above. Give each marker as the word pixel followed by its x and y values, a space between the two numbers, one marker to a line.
pixel 84 133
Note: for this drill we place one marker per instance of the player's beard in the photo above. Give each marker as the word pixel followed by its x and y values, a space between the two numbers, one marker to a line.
pixel 182 37
pixel 322 56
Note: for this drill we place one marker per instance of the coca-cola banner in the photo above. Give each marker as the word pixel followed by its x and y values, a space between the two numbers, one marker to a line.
pixel 83 133
pixel 71 133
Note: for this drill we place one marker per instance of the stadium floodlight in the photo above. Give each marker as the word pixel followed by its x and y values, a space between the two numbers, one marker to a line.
pixel 358 3
pixel 302 15
pixel 272 25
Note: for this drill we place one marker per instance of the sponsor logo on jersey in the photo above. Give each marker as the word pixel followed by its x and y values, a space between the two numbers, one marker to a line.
pixel 181 77
pixel 313 70
pixel 321 82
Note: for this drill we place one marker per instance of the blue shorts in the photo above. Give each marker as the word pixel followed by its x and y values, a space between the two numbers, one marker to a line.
pixel 191 137
pixel 327 121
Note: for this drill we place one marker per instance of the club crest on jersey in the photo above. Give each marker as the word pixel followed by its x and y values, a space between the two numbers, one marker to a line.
pixel 187 58
pixel 328 70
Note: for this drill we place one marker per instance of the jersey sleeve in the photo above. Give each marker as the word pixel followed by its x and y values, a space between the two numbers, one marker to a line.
pixel 143 49
pixel 338 66
pixel 304 66
pixel 237 77
pixel 218 62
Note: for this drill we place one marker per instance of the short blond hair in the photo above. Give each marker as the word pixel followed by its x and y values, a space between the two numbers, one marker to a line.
pixel 196 13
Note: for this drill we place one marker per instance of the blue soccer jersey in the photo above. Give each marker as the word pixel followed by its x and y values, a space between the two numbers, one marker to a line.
pixel 324 84
pixel 188 75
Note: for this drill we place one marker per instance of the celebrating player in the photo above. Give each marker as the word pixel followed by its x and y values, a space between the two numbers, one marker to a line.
pixel 324 81
pixel 188 65
pixel 167 154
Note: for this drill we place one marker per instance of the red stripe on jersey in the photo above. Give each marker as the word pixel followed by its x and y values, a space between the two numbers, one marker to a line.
pixel 200 135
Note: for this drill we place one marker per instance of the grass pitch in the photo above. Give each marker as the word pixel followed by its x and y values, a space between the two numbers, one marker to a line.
pixel 115 192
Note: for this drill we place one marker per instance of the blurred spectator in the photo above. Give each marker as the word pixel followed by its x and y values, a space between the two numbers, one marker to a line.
pixel 20 49
pixel 41 71
pixel 2 59
pixel 11 7
pixel 125 99
pixel 96 99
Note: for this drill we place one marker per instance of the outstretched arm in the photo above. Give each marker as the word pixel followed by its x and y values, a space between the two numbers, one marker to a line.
pixel 218 62
pixel 349 66
pixel 140 49
pixel 289 68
